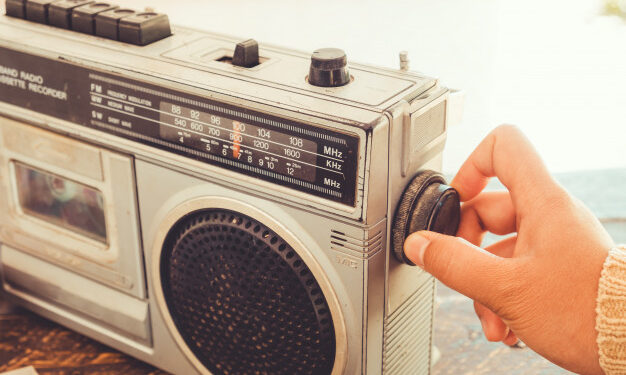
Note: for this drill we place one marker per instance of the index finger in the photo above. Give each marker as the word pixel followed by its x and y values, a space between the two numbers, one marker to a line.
pixel 491 211
pixel 507 154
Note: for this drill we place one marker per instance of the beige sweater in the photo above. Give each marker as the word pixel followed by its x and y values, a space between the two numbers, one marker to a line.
pixel 611 309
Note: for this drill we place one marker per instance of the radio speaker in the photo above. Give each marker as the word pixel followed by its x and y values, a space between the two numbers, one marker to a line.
pixel 242 299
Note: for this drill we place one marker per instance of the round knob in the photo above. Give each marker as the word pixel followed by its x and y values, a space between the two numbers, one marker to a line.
pixel 329 68
pixel 427 204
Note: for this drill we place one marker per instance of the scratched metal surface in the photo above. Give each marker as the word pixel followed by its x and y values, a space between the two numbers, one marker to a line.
pixel 26 339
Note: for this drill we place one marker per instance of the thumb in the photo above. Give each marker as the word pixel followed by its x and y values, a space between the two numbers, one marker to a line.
pixel 458 264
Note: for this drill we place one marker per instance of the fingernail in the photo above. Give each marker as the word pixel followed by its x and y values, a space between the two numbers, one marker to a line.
pixel 414 248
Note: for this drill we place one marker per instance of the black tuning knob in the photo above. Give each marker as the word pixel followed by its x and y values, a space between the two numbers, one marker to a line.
pixel 329 68
pixel 427 204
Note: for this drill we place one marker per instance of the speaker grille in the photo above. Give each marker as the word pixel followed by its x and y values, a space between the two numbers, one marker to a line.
pixel 242 299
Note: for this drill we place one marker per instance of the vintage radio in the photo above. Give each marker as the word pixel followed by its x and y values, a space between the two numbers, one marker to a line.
pixel 212 206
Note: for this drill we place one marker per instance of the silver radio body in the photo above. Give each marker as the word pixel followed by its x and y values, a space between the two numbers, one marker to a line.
pixel 89 199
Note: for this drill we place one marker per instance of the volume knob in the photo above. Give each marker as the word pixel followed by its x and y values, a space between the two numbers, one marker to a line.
pixel 329 68
pixel 427 204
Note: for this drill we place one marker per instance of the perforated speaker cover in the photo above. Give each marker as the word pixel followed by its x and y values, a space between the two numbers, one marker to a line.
pixel 242 299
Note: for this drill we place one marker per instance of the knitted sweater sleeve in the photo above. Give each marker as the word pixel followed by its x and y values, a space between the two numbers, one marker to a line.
pixel 611 313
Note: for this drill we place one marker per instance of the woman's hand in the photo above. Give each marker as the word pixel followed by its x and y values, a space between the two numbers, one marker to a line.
pixel 539 285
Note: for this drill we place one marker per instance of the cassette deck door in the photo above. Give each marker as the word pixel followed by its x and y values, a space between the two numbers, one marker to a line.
pixel 71 204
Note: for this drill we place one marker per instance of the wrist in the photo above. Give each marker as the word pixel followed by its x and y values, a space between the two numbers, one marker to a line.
pixel 611 313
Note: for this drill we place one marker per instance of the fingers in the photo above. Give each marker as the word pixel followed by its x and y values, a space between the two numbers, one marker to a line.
pixel 460 265
pixel 488 212
pixel 493 327
pixel 504 248
pixel 511 339
pixel 507 154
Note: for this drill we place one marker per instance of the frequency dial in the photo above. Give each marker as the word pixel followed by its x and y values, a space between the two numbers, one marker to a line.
pixel 427 204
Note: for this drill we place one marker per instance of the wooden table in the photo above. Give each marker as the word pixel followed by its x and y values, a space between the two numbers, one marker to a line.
pixel 29 340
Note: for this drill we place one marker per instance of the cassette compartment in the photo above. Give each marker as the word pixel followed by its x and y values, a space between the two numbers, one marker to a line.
pixel 60 294
pixel 71 204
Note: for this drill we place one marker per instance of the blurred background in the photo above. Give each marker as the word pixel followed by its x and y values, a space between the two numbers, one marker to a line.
pixel 555 68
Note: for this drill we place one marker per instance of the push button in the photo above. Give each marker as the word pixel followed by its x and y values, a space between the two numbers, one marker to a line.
pixel 144 28
pixel 246 54
pixel 37 10
pixel 107 23
pixel 60 13
pixel 84 17
pixel 16 8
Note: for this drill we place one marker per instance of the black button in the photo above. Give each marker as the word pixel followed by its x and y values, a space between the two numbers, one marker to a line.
pixel 329 68
pixel 60 13
pixel 84 17
pixel 246 54
pixel 37 10
pixel 107 23
pixel 16 8
pixel 144 28
pixel 427 204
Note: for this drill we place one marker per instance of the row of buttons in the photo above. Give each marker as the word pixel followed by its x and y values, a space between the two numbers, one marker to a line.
pixel 95 18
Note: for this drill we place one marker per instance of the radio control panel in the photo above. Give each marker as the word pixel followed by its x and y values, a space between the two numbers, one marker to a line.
pixel 292 153
pixel 303 122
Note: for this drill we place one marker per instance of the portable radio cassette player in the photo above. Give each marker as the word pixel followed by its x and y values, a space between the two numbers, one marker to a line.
pixel 212 205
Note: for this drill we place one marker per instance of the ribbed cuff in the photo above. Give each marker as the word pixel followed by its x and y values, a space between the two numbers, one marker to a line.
pixel 611 313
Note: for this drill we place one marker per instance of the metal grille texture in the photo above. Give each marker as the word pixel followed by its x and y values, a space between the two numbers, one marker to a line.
pixel 408 334
pixel 243 300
